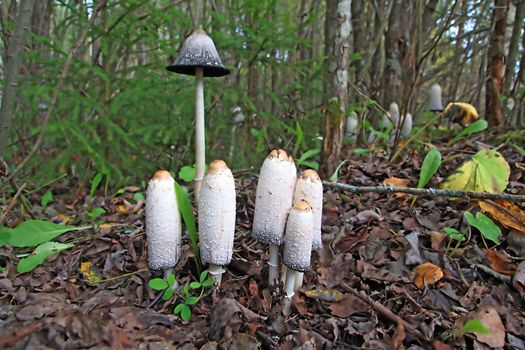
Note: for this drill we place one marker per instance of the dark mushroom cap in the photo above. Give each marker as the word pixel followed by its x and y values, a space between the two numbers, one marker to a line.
pixel 199 51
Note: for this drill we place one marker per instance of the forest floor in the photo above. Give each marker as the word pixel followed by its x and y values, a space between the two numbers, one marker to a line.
pixel 359 294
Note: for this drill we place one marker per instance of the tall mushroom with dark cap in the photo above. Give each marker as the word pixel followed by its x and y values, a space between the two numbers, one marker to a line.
pixel 199 57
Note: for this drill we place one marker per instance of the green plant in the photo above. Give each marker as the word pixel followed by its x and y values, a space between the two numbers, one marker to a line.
pixel 453 235
pixel 303 160
pixel 188 297
pixel 488 229
pixel 430 166
pixel 46 198
pixel 94 184
pixel 335 175
pixel 477 126
pixel 186 210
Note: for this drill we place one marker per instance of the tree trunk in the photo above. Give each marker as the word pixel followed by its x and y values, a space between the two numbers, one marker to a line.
pixel 514 45
pixel 394 43
pixel 13 66
pixel 496 65
pixel 337 34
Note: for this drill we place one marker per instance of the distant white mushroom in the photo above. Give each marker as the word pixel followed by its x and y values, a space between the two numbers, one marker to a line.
pixel 406 129
pixel 273 201
pixel 163 226
pixel 351 126
pixel 435 105
pixel 297 248
pixel 217 218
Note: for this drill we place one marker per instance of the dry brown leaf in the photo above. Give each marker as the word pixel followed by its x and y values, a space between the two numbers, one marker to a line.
pixel 490 318
pixel 500 262
pixel 427 274
pixel 518 281
pixel 508 214
pixel 397 182
pixel 329 295
pixel 347 306
pixel 437 239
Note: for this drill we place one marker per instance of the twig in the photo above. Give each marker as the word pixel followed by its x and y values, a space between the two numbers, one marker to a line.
pixel 56 92
pixel 495 274
pixel 384 311
pixel 12 203
pixel 430 192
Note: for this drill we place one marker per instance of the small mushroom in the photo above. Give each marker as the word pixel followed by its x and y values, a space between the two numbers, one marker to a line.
pixel 309 188
pixel 391 118
pixel 435 104
pixel 217 218
pixel 297 248
pixel 163 226
pixel 199 57
pixel 273 201
pixel 406 129
pixel 351 126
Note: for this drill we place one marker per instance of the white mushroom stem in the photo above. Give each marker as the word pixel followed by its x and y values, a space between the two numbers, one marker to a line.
pixel 299 276
pixel 167 274
pixel 216 272
pixel 289 286
pixel 273 263
pixel 200 157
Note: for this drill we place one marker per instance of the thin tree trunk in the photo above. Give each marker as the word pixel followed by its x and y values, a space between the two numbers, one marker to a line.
pixel 514 45
pixel 496 65
pixel 337 35
pixel 459 50
pixel 392 79
pixel 13 65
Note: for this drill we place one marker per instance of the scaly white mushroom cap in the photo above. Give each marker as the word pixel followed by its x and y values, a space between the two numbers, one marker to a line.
pixel 299 236
pixel 309 188
pixel 217 214
pixel 163 227
pixel 394 113
pixel 436 103
pixel 351 125
pixel 407 126
pixel 274 196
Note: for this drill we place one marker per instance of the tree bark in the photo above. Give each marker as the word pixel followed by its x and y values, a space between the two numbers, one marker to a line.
pixel 514 45
pixel 13 66
pixel 394 46
pixel 496 65
pixel 337 35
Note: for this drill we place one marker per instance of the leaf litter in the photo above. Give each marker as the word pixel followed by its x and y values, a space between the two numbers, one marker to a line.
pixel 386 277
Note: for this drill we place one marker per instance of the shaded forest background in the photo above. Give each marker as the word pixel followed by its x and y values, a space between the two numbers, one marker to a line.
pixel 120 113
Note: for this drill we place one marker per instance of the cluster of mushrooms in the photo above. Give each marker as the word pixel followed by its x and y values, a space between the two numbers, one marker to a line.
pixel 287 210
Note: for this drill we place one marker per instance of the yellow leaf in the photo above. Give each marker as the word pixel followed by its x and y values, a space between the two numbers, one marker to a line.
pixel 487 171
pixel 122 209
pixel 465 112
pixel 397 182
pixel 508 214
pixel 89 273
pixel 427 274
pixel 63 218
pixel 329 295
pixel 105 227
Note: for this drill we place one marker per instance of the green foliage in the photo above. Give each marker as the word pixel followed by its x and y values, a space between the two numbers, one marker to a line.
pixel 488 229
pixel 168 286
pixel 430 166
pixel 95 183
pixel 335 175
pixel 34 232
pixel 46 198
pixel 186 210
pixel 95 213
pixel 475 127
pixel 187 173
pixel 473 326
pixel 454 234
pixel 40 254
pixel 308 155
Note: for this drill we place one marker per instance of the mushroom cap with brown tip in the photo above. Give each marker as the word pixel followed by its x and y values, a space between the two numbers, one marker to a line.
pixel 309 188
pixel 298 237
pixel 199 50
pixel 274 197
pixel 162 175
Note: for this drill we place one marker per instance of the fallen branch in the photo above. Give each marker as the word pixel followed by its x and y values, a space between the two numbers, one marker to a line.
pixel 429 192
pixel 11 204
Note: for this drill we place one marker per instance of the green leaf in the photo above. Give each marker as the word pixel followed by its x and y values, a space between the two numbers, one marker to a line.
pixel 139 196
pixel 431 164
pixel 40 254
pixel 473 326
pixel 208 282
pixel 46 198
pixel 361 151
pixel 300 136
pixel 335 175
pixel 186 289
pixel 477 126
pixel 96 181
pixel 157 284
pixel 34 232
pixel 521 150
pixel 203 275
pixel 454 234
pixel 191 300
pixel 96 212
pixel 487 171
pixel 195 285
pixel 186 210
pixel 485 225
pixel 171 279
pixel 185 313
pixel 168 293
pixel 308 154
pixel 178 308
pixel 187 173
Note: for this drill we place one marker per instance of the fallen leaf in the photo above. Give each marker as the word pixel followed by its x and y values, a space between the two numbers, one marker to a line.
pixel 427 274
pixel 397 182
pixel 500 262
pixel 437 239
pixel 348 305
pixel 518 281
pixel 105 227
pixel 508 214
pixel 89 273
pixel 63 218
pixel 490 318
pixel 329 295
pixel 122 209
